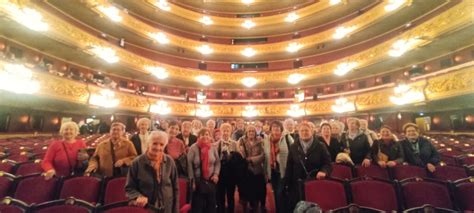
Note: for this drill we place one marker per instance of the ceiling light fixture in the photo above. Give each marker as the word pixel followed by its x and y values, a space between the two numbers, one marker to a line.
pixel 404 94
pixel 393 5
pixel 163 4
pixel 18 79
pixel 247 2
pixel 343 105
pixel 204 111
pixel 334 2
pixel 295 78
pixel 204 80
pixel 29 18
pixel 248 24
pixel 105 98
pixel 205 49
pixel 402 46
pixel 158 72
pixel 249 81
pixel 206 20
pixel 293 47
pixel 295 111
pixel 161 107
pixel 250 111
pixel 342 32
pixel 112 12
pixel 344 68
pixel 159 37
pixel 292 17
pixel 248 52
pixel 105 53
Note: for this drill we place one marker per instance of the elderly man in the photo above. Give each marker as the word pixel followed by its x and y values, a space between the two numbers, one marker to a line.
pixel 186 136
pixel 307 156
pixel 418 150
pixel 139 139
pixel 113 154
pixel 152 179
pixel 239 131
pixel 371 135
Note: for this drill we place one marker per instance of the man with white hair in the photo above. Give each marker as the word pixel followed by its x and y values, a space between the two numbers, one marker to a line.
pixel 371 135
pixel 139 139
pixel 154 168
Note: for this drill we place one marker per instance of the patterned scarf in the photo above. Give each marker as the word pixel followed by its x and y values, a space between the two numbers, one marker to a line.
pixel 156 160
pixel 274 149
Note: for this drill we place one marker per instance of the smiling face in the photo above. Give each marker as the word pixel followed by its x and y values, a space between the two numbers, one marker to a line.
pixel 305 132
pixel 412 133
pixel 386 134
pixel 251 132
pixel 326 130
pixel 116 132
pixel 143 127
pixel 226 132
pixel 173 130
pixel 157 145
pixel 69 132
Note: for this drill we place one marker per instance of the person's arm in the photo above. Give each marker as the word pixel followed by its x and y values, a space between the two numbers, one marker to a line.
pixel 131 186
pixel 367 146
pixel 400 154
pixel 434 159
pixel 325 160
pixel 374 151
pixel 94 161
pixel 131 154
pixel 175 185
pixel 47 162
pixel 258 159
pixel 190 157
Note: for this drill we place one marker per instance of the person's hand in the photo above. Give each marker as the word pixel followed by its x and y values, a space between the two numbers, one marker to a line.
pixel 49 174
pixel 119 163
pixel 391 163
pixel 431 167
pixel 141 201
pixel 89 170
pixel 366 163
pixel 194 186
pixel 82 156
pixel 214 179
pixel 382 164
pixel 320 175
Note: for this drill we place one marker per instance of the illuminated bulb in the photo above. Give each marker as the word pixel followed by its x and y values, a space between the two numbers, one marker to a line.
pixel 248 1
pixel 401 46
pixel 292 17
pixel 249 52
pixel 250 111
pixel 158 72
pixel 161 107
pixel 105 53
pixel 344 68
pixel 248 24
pixel 205 49
pixel 29 18
pixel 112 12
pixel 17 78
pixel 204 111
pixel 159 37
pixel 343 105
pixel 206 20
pixel 295 111
pixel 293 47
pixel 249 81
pixel 393 5
pixel 163 4
pixel 295 78
pixel 342 32
pixel 404 94
pixel 334 2
pixel 204 80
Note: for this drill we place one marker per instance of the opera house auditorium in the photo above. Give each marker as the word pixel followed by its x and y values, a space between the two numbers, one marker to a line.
pixel 236 106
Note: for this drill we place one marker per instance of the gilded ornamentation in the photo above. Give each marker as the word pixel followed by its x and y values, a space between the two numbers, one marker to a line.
pixel 56 87
pixel 450 84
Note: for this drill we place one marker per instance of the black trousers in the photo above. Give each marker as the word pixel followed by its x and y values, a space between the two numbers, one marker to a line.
pixel 281 202
pixel 203 203
pixel 225 189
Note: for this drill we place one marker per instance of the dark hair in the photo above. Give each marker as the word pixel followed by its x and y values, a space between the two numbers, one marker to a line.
pixel 405 127
pixel 203 131
pixel 276 123
pixel 173 123
pixel 325 124
pixel 386 127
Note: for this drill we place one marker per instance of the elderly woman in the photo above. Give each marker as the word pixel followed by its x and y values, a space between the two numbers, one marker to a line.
pixel 307 156
pixel 113 154
pixel 139 139
pixel 203 170
pixel 253 189
pixel 186 135
pixel 226 148
pixel 152 178
pixel 196 126
pixel 356 143
pixel 290 128
pixel 417 150
pixel 62 157
pixel 387 151
pixel 337 128
pixel 331 143
pixel 277 147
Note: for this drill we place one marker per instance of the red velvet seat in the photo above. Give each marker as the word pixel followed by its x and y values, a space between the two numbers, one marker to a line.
pixel 372 171
pixel 6 183
pixel 402 172
pixel 29 168
pixel 353 208
pixel 428 208
pixel 6 166
pixel 35 189
pixel 451 173
pixel 468 160
pixel 418 192
pixel 373 193
pixel 115 191
pixel 69 205
pixel 10 205
pixel 123 207
pixel 184 190
pixel 341 171
pixel 83 188
pixel 464 194
pixel 328 194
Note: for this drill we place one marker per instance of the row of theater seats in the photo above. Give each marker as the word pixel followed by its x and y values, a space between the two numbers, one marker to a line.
pixel 454 150
pixel 33 192
pixel 390 196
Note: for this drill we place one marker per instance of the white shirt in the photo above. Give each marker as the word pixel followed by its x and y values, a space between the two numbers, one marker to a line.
pixel 143 142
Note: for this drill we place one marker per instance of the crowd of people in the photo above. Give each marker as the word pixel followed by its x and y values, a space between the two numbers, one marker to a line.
pixel 220 159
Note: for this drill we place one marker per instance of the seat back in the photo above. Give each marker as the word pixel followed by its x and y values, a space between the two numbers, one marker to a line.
pixel 28 168
pixel 354 208
pixel 464 194
pixel 451 173
pixel 123 207
pixel 376 194
pixel 469 160
pixel 402 172
pixel 183 192
pixel 372 171
pixel 328 194
pixel 84 188
pixel 115 191
pixel 6 166
pixel 341 171
pixel 6 183
pixel 35 189
pixel 10 205
pixel 69 205
pixel 428 208
pixel 418 192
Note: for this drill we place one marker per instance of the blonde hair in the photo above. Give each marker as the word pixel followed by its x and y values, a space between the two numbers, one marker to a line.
pixel 69 124
pixel 141 120
pixel 307 124
pixel 226 125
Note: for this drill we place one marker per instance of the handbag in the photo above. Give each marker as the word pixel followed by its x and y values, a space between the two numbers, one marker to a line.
pixel 204 186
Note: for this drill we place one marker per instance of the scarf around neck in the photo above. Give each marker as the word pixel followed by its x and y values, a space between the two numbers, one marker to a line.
pixel 156 160
pixel 204 147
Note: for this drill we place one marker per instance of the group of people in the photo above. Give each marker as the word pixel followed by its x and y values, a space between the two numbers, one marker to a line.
pixel 218 161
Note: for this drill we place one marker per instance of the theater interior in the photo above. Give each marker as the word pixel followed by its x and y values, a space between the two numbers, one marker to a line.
pixel 96 62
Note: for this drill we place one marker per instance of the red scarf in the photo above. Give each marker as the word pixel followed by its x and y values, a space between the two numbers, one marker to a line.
pixel 204 147
pixel 274 150
pixel 156 160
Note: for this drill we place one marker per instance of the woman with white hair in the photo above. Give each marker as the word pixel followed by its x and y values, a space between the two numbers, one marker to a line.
pixel 152 178
pixel 139 139
pixel 62 158
pixel 196 126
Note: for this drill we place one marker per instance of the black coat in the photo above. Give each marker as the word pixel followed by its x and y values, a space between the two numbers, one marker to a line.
pixel 359 147
pixel 428 153
pixel 192 139
pixel 334 147
pixel 137 143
